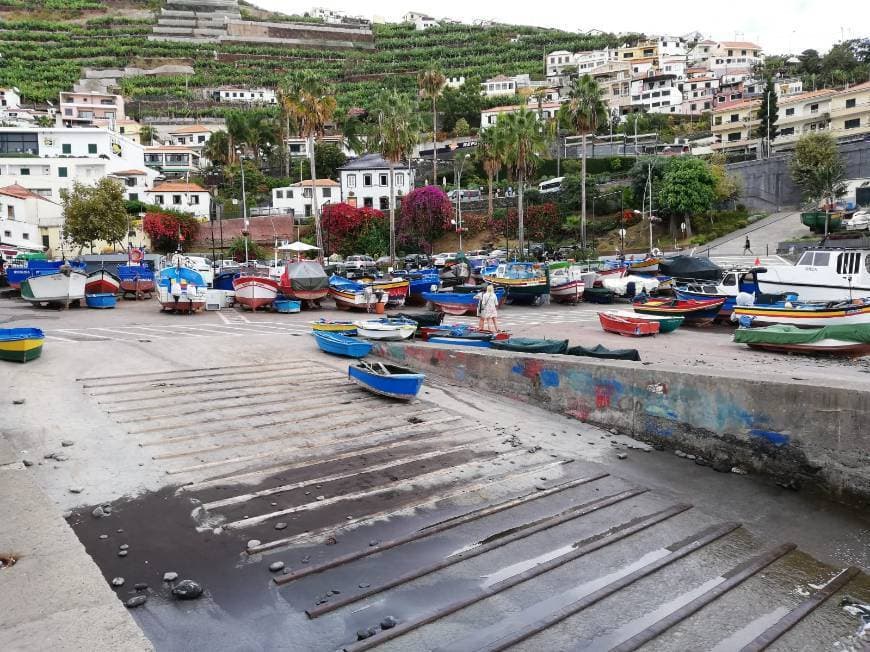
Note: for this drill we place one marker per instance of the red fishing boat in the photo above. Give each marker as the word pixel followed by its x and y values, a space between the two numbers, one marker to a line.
pixel 255 291
pixel 697 312
pixel 102 281
pixel 304 280
pixel 630 326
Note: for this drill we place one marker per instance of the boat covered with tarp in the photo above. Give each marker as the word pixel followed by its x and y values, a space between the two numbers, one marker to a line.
pixel 845 339
pixel 602 352
pixel 531 345
pixel 691 267
pixel 304 280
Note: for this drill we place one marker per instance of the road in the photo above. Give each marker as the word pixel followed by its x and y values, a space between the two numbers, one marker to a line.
pixel 206 432
pixel 764 236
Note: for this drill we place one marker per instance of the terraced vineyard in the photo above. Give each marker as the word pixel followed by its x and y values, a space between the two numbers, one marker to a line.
pixel 44 57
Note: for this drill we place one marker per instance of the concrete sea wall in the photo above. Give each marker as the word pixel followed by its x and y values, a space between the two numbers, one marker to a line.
pixel 787 429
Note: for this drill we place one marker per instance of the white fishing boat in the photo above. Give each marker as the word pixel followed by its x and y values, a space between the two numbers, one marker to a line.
pixel 823 274
pixel 566 282
pixel 619 284
pixel 62 287
pixel 255 291
pixel 200 265
pixel 385 329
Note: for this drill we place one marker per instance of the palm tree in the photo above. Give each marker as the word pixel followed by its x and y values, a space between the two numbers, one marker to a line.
pixel 395 131
pixel 431 83
pixel 491 148
pixel 285 103
pixel 585 111
pixel 146 134
pixel 525 142
pixel 238 130
pixel 540 94
pixel 217 149
pixel 311 105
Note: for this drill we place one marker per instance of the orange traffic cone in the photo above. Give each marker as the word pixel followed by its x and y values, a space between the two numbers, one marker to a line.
pixel 757 262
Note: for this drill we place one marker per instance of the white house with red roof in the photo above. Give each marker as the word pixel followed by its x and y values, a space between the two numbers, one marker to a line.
pixel 297 196
pixel 136 183
pixel 181 196
pixel 25 217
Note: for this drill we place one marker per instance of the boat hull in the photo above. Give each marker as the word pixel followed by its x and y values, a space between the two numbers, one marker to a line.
pixel 570 292
pixel 60 288
pixel 106 300
pixel 395 334
pixel 402 386
pixel 255 291
pixel 631 327
pixel 461 341
pixel 828 347
pixel 458 303
pixel 343 327
pixel 769 315
pixel 337 344
pixel 695 313
pixel 666 324
pixel 102 282
pixel 137 280
pixel 21 344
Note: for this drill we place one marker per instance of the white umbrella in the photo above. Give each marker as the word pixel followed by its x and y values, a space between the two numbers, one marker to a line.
pixel 297 246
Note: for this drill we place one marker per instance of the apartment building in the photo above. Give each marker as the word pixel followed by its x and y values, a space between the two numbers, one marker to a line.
pixel 10 97
pixel 297 196
pixel 734 124
pixel 239 95
pixel 172 160
pixel 614 78
pixel 489 117
pixel 90 108
pixel 698 94
pixel 656 93
pixel 802 114
pixel 850 111
pixel 181 196
pixel 23 215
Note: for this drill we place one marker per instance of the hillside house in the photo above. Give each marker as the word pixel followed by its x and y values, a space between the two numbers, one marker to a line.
pixel 297 196
pixel 365 181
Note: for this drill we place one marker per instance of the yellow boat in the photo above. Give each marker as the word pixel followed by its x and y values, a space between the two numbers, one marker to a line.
pixel 20 344
pixel 324 326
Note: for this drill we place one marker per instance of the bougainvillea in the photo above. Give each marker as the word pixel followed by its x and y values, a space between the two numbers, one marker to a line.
pixel 541 221
pixel 164 230
pixel 343 226
pixel 426 214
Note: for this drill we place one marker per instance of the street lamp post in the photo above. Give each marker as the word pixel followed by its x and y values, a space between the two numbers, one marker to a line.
pixel 244 203
pixel 459 200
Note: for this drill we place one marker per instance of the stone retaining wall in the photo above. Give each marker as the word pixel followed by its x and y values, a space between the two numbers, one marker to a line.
pixel 782 428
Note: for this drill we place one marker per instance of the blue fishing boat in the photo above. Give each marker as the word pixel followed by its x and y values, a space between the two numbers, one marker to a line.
pixel 458 303
pixel 137 280
pixel 524 282
pixel 387 380
pixel 100 300
pixel 224 280
pixel 423 280
pixel 461 341
pixel 338 344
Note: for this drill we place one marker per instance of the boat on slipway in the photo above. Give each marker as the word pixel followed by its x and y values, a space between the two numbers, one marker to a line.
pixel 304 280
pixel 255 291
pixel 338 344
pixel 392 381
pixel 331 326
pixel 351 295
pixel 21 344
pixel 821 274
pixel 193 290
pixel 566 282
pixel 61 287
pixel 386 329
pixel 17 272
pixel 695 313
pixel 102 281
pixel 803 314
pixel 630 326
pixel 732 283
pixel 136 279
pixel 523 282
pixel 850 340
pixel 667 323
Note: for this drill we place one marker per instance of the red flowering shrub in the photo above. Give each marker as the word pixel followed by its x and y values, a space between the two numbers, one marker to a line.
pixel 426 214
pixel 343 225
pixel 164 230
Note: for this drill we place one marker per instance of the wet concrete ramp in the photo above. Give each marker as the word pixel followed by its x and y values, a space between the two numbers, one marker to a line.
pixel 413 527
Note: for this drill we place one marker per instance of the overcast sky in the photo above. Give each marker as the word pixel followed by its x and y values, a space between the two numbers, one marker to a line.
pixel 779 26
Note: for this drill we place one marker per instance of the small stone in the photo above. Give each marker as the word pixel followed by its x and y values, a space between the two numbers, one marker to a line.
pixel 307 493
pixel 363 634
pixel 691 457
pixel 60 457
pixel 124 546
pixel 364 585
pixel 76 490
pixel 702 462
pixel 120 530
pixel 621 456
pixel 104 536
pixel 722 466
pixel 170 576
pixel 122 553
pixel 98 512
pixel 118 581
pixel 738 470
pixel 187 590
pixel 274 504
pixel 253 543
pixel 389 622
pixel 679 453
pixel 27 462
pixel 18 401
pixel 136 601
pixel 349 518
pixel 320 498
pixel 67 442
pixel 280 526
pixel 334 592
pixel 373 543
pixel 140 586
pixel 276 566
pixel 331 541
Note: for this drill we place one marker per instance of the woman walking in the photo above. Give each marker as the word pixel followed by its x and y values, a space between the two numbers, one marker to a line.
pixel 487 309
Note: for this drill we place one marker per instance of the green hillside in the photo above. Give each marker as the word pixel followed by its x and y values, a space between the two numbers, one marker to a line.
pixel 43 57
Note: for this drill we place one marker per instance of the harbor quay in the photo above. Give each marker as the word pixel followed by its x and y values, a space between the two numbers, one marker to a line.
pixel 259 496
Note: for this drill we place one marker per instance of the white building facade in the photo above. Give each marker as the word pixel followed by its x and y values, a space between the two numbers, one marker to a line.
pixel 22 213
pixel 181 196
pixel 365 181
pixel 244 95
pixel 297 196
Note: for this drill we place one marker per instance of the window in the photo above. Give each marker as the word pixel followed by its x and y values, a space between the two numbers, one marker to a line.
pixel 368 202
pixel 786 131
pixel 200 139
pixel 25 172
pixel 367 180
pixel 15 143
pixel 735 117
pixel 134 196
pixel 848 263
pixel 383 180
pixel 400 178
pixel 850 104
pixel 130 181
pixel 158 199
pixel 717 120
pixel 176 199
pixel 25 236
pixel 351 181
pixel 789 111
pixel 10 212
pixel 385 203
pixel 92 148
pixel 62 172
pixel 814 108
pixel 279 194
pixel 66 148
pixel 852 124
pixel 7 234
pixel 734 137
pixel 194 200
pixel 306 192
pixel 67 111
pixel 307 210
pixel 327 192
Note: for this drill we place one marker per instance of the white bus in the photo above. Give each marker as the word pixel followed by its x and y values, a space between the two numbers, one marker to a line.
pixel 553 185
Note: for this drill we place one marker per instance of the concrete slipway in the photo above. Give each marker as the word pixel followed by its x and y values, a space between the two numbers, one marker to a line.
pixel 465 521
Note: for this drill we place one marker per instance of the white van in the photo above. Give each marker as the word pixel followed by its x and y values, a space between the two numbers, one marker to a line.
pixel 553 185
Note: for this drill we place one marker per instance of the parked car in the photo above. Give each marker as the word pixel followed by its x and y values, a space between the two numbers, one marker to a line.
pixel 416 260
pixel 358 263
pixel 383 261
pixel 860 221
pixel 440 260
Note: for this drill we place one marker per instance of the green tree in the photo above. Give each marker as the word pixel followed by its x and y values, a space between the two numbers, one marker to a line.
pixel 146 134
pixel 687 188
pixel 328 157
pixel 768 114
pixel 374 238
pixel 491 152
pixel 312 106
pixel 395 131
pixel 236 250
pixel 817 168
pixel 217 149
pixel 462 128
pixel 431 84
pixel 727 187
pixel 93 213
pixel 463 102
pixel 584 112
pixel 525 143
